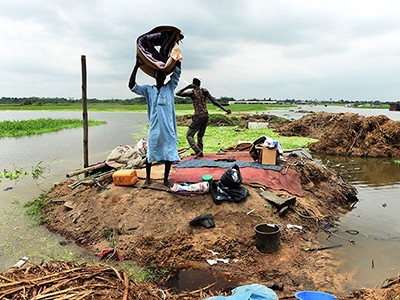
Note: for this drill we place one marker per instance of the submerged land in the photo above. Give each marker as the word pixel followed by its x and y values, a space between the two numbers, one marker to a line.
pixel 150 226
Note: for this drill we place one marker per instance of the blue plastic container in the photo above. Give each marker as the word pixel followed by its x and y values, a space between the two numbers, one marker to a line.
pixel 314 295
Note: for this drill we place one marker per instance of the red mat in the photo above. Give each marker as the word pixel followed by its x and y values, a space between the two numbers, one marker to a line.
pixel 288 180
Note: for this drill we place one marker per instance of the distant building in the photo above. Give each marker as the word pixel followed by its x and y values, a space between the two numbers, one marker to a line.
pixel 252 102
pixel 377 103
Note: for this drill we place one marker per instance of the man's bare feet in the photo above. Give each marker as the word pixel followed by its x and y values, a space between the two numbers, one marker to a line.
pixel 167 183
pixel 146 184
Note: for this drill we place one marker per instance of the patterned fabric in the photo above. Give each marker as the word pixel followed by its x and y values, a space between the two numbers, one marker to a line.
pixel 199 101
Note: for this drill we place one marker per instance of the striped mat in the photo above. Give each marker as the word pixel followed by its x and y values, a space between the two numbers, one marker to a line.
pixel 200 163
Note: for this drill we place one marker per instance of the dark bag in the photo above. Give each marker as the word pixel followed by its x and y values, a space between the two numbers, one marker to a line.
pixel 231 177
pixel 221 194
pixel 228 188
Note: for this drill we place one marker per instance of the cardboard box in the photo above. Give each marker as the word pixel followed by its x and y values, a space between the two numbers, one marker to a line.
pixel 268 156
pixel 125 177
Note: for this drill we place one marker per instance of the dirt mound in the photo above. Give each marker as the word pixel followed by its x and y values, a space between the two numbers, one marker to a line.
pixel 213 120
pixel 266 118
pixel 348 134
pixel 233 120
pixel 152 228
pixel 390 290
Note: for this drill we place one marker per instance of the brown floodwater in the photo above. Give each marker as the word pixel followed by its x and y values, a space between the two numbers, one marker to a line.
pixel 373 224
pixel 58 153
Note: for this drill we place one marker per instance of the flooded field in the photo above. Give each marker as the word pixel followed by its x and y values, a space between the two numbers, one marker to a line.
pixel 373 224
pixel 60 153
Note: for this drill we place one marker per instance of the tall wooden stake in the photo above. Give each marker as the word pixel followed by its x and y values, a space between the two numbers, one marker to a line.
pixel 84 114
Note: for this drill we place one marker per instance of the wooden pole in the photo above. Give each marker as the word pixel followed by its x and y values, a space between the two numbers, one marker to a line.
pixel 84 170
pixel 84 114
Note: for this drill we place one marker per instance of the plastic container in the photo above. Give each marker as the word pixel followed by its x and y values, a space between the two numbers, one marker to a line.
pixel 268 237
pixel 200 187
pixel 208 178
pixel 125 177
pixel 314 295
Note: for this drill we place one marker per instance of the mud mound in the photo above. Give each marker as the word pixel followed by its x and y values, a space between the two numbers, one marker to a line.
pixel 213 120
pixel 348 134
pixel 233 120
pixel 267 118
pixel 390 290
pixel 152 228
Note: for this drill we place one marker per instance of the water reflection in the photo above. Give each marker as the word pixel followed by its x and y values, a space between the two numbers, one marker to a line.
pixel 375 216
pixel 60 152
pixel 374 219
pixel 364 171
pixel 300 111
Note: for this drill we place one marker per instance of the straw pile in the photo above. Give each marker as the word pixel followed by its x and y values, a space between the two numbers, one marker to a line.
pixel 66 280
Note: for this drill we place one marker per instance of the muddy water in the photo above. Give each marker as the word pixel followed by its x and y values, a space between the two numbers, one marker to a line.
pixel 60 153
pixel 373 223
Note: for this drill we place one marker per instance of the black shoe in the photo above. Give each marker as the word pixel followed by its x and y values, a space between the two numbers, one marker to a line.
pixel 206 221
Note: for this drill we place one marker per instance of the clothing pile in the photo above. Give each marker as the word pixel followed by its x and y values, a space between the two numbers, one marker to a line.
pixel 128 157
pixel 228 188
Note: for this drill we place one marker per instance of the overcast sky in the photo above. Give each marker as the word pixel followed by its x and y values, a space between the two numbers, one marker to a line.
pixel 342 49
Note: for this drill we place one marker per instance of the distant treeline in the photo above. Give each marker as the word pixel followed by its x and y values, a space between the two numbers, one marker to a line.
pixel 139 100
pixel 178 100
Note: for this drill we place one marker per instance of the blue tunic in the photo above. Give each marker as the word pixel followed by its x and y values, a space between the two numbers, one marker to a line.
pixel 162 137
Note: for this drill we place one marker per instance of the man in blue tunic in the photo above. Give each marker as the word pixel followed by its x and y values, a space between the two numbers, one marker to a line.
pixel 162 136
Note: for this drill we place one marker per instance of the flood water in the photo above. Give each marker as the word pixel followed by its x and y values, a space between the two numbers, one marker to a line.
pixel 59 153
pixel 373 224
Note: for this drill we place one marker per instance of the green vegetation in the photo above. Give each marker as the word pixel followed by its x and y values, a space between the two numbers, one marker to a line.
pixel 13 174
pixel 18 173
pixel 223 120
pixel 111 236
pixel 223 137
pixel 39 126
pixel 185 108
pixel 148 274
pixel 396 161
pixel 34 208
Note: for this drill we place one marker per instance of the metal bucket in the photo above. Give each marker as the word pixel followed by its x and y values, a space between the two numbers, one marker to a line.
pixel 268 237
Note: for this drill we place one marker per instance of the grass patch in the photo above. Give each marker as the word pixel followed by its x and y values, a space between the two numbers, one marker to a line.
pixel 34 209
pixel 223 137
pixel 148 274
pixel 40 126
pixel 111 236
pixel 397 162
pixel 119 107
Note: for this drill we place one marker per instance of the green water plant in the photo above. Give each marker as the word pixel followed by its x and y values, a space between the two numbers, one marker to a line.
pixel 18 173
pixel 13 174
pixel 19 128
